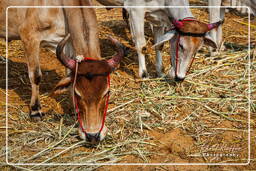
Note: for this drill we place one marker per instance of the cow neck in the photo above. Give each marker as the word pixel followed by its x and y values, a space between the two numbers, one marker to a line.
pixel 76 108
pixel 81 23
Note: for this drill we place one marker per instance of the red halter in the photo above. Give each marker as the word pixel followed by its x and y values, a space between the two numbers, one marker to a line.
pixel 76 105
pixel 177 26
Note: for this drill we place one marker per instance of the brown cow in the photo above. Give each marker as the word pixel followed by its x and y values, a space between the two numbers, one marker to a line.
pixel 90 82
pixel 46 27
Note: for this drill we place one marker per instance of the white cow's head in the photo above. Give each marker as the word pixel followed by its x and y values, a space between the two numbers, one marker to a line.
pixel 186 38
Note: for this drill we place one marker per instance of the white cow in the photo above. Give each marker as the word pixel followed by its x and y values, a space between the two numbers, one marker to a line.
pixel 186 34
pixel 215 14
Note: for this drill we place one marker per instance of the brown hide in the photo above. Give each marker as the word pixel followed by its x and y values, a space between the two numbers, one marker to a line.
pixel 92 92
pixel 194 27
pixel 82 25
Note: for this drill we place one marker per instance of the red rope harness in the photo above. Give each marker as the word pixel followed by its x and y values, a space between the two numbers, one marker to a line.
pixel 177 55
pixel 76 105
pixel 177 48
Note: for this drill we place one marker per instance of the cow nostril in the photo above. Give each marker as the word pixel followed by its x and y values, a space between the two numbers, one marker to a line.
pixel 93 137
pixel 178 79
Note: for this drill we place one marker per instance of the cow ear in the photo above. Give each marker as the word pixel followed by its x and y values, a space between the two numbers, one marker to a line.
pixel 62 85
pixel 209 41
pixel 167 36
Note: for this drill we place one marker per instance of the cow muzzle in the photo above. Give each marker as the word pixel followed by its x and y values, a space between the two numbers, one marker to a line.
pixel 93 138
pixel 179 79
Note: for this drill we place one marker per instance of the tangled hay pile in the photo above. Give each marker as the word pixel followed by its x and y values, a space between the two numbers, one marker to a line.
pixel 149 121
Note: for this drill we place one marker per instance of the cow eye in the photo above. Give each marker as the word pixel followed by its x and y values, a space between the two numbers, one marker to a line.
pixel 181 46
pixel 89 76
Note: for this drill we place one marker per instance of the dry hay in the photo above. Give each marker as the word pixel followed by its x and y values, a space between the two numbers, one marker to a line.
pixel 149 121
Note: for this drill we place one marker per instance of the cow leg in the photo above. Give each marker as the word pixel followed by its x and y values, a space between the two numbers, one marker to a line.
pixel 219 40
pixel 216 34
pixel 35 76
pixel 233 3
pixel 32 48
pixel 136 20
pixel 158 31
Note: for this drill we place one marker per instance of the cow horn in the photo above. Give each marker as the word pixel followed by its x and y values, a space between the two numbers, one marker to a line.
pixel 177 23
pixel 116 59
pixel 65 60
pixel 214 25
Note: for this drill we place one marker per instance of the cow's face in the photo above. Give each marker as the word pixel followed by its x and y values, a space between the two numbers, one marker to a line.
pixel 91 91
pixel 185 41
pixel 187 47
pixel 90 84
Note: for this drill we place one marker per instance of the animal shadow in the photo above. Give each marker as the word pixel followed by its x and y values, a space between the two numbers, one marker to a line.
pixel 18 81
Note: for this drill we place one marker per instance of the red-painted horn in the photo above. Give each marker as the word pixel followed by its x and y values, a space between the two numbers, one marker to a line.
pixel 65 60
pixel 214 25
pixel 177 23
pixel 116 59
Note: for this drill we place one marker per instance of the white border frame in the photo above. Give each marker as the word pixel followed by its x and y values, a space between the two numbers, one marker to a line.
pixel 133 164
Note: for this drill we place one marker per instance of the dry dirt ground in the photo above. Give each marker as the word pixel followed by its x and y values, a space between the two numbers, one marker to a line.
pixel 202 120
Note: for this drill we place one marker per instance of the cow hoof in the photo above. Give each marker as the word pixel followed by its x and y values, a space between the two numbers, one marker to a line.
pixel 160 75
pixel 222 48
pixel 212 54
pixel 36 116
pixel 144 74
pixel 171 74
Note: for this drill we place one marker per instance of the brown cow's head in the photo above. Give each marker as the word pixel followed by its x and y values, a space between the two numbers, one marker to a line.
pixel 90 89
pixel 185 40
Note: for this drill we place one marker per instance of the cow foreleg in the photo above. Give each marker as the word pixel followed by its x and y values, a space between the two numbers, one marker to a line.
pixel 214 16
pixel 35 76
pixel 136 20
pixel 32 48
pixel 219 40
pixel 158 31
